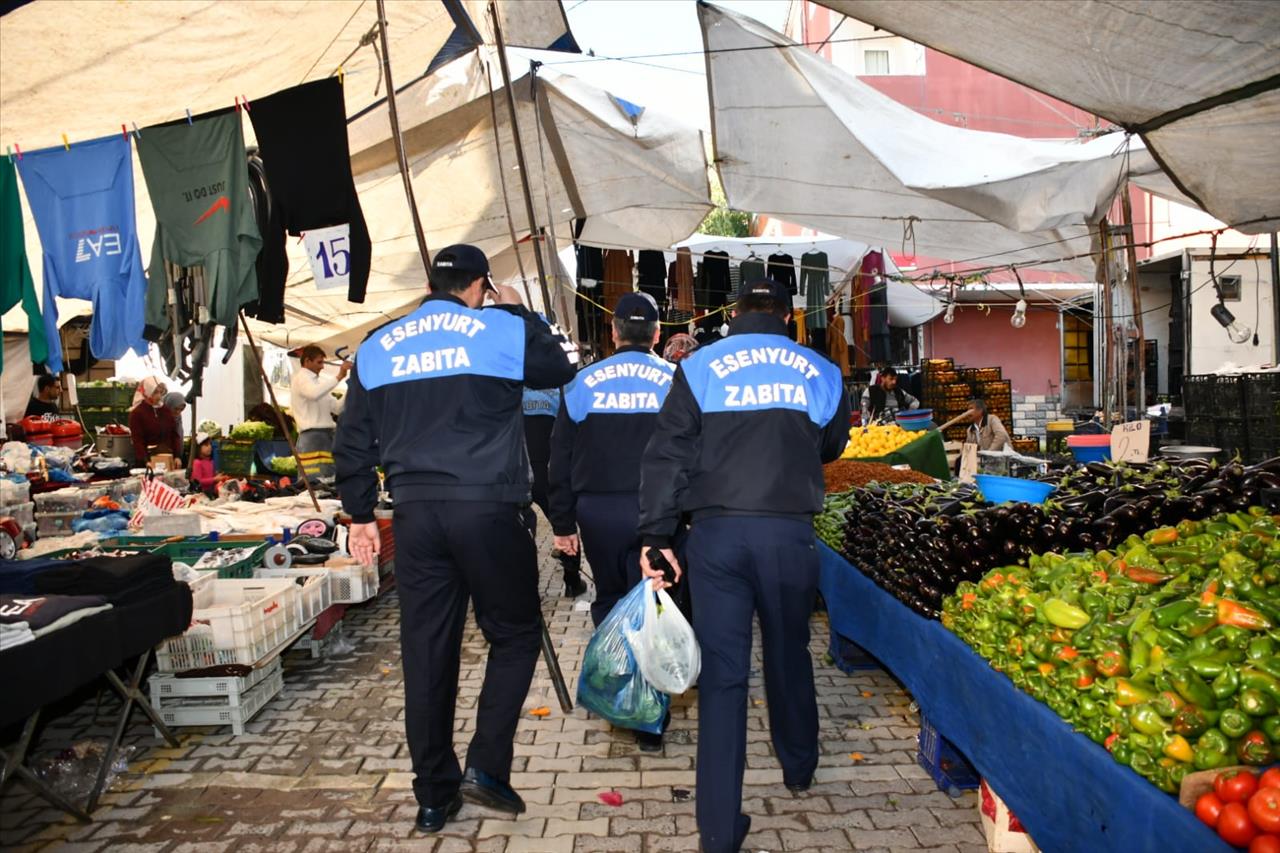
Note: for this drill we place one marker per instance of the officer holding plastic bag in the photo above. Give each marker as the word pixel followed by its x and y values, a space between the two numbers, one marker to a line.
pixel 740 444
pixel 435 399
pixel 599 438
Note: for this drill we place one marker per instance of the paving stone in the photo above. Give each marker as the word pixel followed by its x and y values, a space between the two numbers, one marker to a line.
pixel 325 766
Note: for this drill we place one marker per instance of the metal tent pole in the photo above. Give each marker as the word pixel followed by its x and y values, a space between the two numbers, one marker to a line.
pixel 524 170
pixel 1140 360
pixel 399 140
pixel 284 428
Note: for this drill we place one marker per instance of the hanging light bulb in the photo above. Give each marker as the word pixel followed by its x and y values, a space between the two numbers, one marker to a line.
pixel 1019 318
pixel 1238 332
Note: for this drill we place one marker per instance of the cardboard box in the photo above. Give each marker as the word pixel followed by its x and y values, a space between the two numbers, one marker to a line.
pixel 1005 834
pixel 163 462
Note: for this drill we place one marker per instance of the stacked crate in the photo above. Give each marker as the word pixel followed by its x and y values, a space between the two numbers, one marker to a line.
pixel 948 390
pixel 1236 413
pixel 101 405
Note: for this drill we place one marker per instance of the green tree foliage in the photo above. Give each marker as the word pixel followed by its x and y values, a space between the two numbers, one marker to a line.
pixel 722 221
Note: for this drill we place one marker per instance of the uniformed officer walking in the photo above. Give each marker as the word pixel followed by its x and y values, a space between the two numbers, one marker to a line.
pixel 435 400
pixel 740 444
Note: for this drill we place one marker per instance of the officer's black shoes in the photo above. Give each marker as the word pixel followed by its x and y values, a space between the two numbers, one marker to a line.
pixel 482 789
pixel 433 820
pixel 648 742
pixel 574 587
pixel 800 787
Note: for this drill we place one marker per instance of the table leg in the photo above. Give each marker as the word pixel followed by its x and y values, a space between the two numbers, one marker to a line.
pixel 14 768
pixel 130 694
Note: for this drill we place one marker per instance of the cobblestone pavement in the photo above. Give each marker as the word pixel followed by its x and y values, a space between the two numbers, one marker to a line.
pixel 324 767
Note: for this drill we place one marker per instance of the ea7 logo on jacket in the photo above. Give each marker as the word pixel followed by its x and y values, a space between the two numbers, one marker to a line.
pixel 88 248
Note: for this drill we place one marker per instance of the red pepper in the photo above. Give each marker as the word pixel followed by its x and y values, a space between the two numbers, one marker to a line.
pixel 1141 575
pixel 1254 748
pixel 967 600
pixel 1111 663
pixel 1066 653
pixel 1210 593
pixel 1236 614
pixel 1111 740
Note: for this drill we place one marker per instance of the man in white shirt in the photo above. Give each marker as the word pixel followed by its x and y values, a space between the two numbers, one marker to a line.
pixel 312 406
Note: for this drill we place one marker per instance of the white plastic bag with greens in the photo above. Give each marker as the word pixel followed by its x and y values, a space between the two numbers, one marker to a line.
pixel 665 647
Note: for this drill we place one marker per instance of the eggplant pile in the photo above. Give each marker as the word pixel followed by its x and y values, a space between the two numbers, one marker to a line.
pixel 918 542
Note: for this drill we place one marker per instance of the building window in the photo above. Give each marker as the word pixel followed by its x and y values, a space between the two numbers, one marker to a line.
pixel 1077 349
pixel 875 62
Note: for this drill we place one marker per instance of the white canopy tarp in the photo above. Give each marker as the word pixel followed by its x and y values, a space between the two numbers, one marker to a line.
pixel 639 182
pixel 797 138
pixel 908 305
pixel 1199 79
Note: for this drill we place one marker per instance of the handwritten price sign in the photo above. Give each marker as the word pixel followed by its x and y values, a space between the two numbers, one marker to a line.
pixel 1131 442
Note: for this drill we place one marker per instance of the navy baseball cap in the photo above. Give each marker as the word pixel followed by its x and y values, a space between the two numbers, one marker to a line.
pixel 766 287
pixel 464 257
pixel 636 306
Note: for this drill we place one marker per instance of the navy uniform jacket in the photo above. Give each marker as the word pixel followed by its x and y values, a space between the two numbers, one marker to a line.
pixel 608 416
pixel 435 399
pixel 748 424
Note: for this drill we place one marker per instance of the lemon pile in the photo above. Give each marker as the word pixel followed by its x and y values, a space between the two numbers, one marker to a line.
pixel 877 440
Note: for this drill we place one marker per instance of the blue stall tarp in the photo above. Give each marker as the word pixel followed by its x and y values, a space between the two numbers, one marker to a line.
pixel 1065 789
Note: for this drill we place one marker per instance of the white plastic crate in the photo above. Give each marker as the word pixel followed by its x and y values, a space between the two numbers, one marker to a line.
pixel 14 492
pixel 166 685
pixel 210 711
pixel 68 499
pixel 202 590
pixel 246 620
pixel 23 513
pixel 56 523
pixel 314 587
pixel 353 584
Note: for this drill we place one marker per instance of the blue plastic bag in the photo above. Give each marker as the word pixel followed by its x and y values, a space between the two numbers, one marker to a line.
pixel 610 683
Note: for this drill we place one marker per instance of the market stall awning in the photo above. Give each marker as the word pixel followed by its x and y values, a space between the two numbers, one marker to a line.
pixel 797 138
pixel 1199 79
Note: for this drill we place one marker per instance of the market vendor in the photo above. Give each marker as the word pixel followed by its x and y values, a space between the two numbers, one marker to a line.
pixel 151 425
pixel 313 406
pixel 883 399
pixel 985 429
pixel 45 399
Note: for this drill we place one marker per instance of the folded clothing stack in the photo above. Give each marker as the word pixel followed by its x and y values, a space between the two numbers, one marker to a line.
pixel 119 579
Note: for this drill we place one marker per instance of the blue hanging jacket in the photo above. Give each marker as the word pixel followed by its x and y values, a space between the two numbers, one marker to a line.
pixel 82 202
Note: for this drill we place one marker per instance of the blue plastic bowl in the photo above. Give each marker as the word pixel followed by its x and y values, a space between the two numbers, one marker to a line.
pixel 916 426
pixel 1091 454
pixel 915 420
pixel 1000 490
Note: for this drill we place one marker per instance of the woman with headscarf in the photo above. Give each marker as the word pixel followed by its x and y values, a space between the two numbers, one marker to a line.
pixel 679 347
pixel 152 425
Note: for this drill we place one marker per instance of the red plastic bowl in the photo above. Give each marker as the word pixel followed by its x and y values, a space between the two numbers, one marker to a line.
pixel 1089 441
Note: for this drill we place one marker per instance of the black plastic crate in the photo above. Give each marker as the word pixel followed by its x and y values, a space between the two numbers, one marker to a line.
pixel 1201 430
pixel 848 656
pixel 1227 397
pixel 1261 393
pixel 1197 395
pixel 1231 436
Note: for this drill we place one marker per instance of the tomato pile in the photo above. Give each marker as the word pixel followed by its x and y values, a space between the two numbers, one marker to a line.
pixel 1244 809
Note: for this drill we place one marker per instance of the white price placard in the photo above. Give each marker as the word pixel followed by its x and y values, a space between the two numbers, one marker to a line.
pixel 329 251
pixel 1131 442
pixel 968 462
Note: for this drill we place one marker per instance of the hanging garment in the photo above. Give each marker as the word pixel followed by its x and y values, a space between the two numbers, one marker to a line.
pixel 651 270
pixel 590 273
pixel 715 270
pixel 618 277
pixel 752 269
pixel 838 347
pixel 198 181
pixel 302 137
pixel 782 269
pixel 15 274
pixel 680 279
pixel 82 202
pixel 815 286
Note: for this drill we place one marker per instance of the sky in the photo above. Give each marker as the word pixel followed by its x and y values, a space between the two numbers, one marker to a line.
pixel 675 85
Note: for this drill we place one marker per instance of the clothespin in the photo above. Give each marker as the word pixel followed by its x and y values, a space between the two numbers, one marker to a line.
pixel 237 100
pixel 9 150
pixel 18 148
pixel 65 143
pixel 137 134
pixel 340 75
pixel 189 116
pixel 124 131
pixel 246 103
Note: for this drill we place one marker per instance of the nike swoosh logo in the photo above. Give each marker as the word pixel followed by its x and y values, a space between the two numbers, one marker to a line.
pixel 221 204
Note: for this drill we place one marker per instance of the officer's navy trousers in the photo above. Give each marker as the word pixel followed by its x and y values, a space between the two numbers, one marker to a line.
pixel 607 524
pixel 447 552
pixel 739 567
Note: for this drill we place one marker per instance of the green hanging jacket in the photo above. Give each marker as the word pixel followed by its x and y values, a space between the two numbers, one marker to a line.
pixel 198 180
pixel 15 274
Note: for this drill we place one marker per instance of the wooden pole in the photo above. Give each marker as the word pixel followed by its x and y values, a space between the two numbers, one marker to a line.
pixel 524 170
pixel 502 184
pixel 399 141
pixel 1107 348
pixel 284 428
pixel 1140 360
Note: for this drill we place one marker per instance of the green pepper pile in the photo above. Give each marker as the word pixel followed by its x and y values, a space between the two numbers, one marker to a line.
pixel 1166 650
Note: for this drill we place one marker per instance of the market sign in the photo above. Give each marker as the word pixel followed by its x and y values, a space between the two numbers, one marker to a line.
pixel 1131 442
